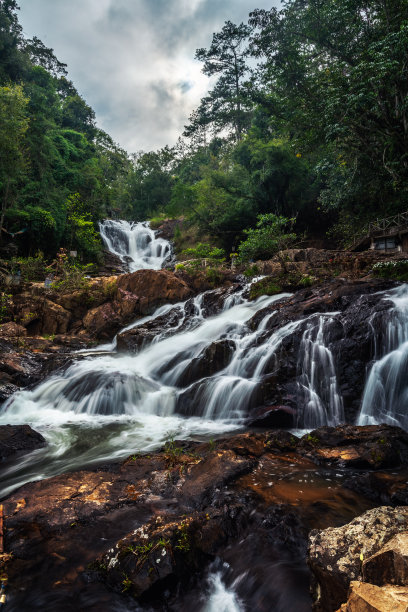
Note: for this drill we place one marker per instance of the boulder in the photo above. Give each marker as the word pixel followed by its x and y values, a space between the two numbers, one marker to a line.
pixel 335 554
pixel 152 289
pixel 390 564
pixel 367 447
pixel 365 597
pixel 138 294
pixel 18 439
pixel 12 330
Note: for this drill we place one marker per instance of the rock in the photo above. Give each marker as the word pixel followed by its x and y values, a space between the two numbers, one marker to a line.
pixel 334 553
pixel 371 446
pixel 18 439
pixel 152 289
pixel 10 330
pixel 390 564
pixel 365 597
pixel 212 359
pixel 139 293
pixel 272 416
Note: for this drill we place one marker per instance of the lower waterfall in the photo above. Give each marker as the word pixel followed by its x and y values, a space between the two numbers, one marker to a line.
pixel 385 397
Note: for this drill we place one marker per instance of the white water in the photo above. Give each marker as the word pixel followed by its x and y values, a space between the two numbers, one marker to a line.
pixel 106 407
pixel 317 382
pixel 385 398
pixel 220 598
pixel 135 243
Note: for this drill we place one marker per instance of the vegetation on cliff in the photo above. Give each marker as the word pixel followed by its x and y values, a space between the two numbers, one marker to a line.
pixel 306 120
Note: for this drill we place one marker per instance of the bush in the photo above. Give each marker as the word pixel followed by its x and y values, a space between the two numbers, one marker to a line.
pixel 74 278
pixel 267 239
pixel 266 286
pixel 396 270
pixel 32 268
pixel 204 250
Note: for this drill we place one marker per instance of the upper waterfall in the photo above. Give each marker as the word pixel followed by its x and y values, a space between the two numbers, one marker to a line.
pixel 135 243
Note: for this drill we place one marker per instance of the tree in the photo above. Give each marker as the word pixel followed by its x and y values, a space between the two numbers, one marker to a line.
pixel 227 105
pixel 268 238
pixel 335 75
pixel 13 127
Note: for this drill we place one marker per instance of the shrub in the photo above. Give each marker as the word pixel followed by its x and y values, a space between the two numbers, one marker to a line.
pixel 32 268
pixel 397 270
pixel 266 286
pixel 74 278
pixel 204 250
pixel 267 239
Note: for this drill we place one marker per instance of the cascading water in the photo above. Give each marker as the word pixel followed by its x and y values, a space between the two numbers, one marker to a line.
pixel 385 398
pixel 135 244
pixel 317 382
pixel 107 407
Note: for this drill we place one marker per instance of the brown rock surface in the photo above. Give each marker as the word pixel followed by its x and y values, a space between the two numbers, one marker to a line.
pixel 334 554
pixel 370 598
pixel 390 564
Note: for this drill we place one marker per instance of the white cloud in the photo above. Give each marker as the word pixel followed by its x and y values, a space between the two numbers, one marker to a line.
pixel 133 60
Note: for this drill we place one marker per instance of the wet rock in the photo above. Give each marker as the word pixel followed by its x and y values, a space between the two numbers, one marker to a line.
pixel 365 597
pixel 133 340
pixel 18 439
pixel 272 416
pixel 348 335
pixel 211 360
pixel 390 564
pixel 334 554
pixel 371 446
pixel 139 293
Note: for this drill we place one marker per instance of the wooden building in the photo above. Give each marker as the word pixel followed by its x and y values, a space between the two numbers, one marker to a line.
pixel 388 235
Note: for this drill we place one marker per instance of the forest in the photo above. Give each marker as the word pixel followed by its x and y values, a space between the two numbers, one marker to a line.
pixel 303 133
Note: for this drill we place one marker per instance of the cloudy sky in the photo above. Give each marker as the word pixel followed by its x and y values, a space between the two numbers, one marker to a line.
pixel 133 60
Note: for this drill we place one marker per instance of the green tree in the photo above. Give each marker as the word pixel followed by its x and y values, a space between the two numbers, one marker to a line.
pixel 227 106
pixel 268 238
pixel 13 127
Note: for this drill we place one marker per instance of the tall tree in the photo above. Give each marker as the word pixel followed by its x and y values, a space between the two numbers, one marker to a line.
pixel 227 105
pixel 13 126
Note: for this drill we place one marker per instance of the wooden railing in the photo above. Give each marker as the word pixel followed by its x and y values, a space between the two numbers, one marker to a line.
pixel 382 227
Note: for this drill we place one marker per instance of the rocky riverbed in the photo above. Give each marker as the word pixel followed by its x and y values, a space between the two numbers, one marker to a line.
pixel 161 529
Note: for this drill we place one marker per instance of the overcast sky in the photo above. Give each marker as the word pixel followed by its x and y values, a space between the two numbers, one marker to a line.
pixel 133 60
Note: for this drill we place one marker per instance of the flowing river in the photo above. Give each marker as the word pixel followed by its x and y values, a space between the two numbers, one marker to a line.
pixel 105 407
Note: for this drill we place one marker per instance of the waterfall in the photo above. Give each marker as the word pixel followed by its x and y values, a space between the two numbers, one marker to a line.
pixel 135 244
pixel 317 382
pixel 385 398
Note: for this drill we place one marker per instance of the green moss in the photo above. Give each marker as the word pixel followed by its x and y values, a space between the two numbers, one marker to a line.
pixel 266 286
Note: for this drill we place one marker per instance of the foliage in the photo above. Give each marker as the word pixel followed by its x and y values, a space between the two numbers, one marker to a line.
pixel 32 268
pixel 397 270
pixel 74 278
pixel 204 250
pixel 267 239
pixel 266 286
pixel 5 302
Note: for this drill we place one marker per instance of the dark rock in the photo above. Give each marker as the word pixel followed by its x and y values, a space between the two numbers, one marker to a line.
pixel 371 446
pixel 18 439
pixel 213 359
pixel 390 564
pixel 272 416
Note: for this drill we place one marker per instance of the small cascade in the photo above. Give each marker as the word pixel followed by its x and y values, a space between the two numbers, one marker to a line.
pixel 319 397
pixel 385 398
pixel 221 598
pixel 135 244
